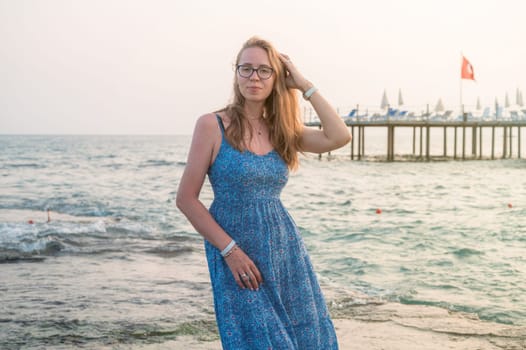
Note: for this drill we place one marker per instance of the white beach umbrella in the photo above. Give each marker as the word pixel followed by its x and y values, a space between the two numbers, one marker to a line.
pixel 497 108
pixel 385 101
pixel 400 99
pixel 440 106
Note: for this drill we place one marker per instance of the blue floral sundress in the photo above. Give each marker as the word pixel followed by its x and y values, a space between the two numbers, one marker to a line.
pixel 288 312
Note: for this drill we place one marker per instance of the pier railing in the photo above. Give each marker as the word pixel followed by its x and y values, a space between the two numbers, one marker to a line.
pixel 421 138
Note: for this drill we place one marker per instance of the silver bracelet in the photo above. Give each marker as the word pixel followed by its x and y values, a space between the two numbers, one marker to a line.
pixel 231 251
pixel 228 248
pixel 307 94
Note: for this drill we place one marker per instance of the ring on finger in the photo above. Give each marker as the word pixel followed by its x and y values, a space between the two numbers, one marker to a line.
pixel 245 276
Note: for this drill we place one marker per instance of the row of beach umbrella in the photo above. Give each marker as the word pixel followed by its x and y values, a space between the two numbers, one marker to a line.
pixel 519 101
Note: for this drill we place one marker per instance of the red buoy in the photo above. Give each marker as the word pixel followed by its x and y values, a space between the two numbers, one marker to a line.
pixel 31 222
pixel 378 211
pixel 509 205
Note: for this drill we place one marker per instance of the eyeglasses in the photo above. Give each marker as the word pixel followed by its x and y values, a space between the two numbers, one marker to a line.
pixel 246 71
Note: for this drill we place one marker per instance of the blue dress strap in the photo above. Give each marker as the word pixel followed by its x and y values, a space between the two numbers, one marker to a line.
pixel 221 125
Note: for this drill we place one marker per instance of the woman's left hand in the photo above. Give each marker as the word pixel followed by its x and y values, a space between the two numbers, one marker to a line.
pixel 294 79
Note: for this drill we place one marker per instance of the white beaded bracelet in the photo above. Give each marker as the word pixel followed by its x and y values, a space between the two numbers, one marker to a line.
pixel 307 94
pixel 228 248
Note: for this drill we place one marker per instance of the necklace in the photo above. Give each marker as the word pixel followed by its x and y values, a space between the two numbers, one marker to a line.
pixel 258 129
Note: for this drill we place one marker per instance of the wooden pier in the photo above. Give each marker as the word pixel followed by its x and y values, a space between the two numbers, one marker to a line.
pixel 421 139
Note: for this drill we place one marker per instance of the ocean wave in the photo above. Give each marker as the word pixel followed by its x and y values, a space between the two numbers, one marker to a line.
pixel 157 163
pixel 103 156
pixel 74 205
pixel 22 240
pixel 170 250
pixel 42 246
pixel 466 252
pixel 72 333
pixel 12 256
pixel 22 165
pixel 483 313
pixel 28 250
pixel 115 166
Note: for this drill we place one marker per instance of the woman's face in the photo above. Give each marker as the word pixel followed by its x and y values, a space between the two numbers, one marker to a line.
pixel 252 84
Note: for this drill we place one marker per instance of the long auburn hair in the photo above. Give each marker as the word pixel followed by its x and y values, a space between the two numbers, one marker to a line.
pixel 281 110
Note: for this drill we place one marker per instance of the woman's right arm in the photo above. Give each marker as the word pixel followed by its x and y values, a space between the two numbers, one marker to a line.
pixel 199 160
pixel 200 157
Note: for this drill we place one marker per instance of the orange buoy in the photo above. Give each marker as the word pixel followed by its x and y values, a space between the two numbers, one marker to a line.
pixel 509 205
pixel 378 211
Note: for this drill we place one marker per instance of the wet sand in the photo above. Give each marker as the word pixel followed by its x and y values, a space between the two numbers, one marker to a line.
pixel 411 327
pixel 402 327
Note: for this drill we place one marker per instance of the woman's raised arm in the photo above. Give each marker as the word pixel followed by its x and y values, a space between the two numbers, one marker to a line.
pixel 334 133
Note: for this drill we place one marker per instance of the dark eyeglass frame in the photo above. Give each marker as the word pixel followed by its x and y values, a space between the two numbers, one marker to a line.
pixel 239 66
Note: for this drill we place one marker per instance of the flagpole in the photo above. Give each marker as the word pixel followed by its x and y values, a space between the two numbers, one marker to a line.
pixel 461 104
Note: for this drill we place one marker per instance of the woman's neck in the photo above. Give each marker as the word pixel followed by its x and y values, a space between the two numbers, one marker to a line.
pixel 254 111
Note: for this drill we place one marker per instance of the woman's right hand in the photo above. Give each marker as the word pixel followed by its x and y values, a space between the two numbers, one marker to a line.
pixel 243 269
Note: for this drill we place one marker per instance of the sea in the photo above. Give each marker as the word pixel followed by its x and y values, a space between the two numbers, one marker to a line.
pixel 94 253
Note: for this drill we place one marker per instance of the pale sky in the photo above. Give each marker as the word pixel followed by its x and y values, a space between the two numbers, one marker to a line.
pixel 153 67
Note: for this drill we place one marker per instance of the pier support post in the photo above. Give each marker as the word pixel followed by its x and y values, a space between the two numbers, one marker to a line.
pixel 505 140
pixel 414 141
pixel 474 141
pixel 390 143
pixel 363 141
pixel 428 142
pixel 360 142
pixel 421 141
pixel 393 145
pixel 445 141
pixel 352 142
pixel 519 142
pixel 463 142
pixel 455 145
pixel 480 142
pixel 493 142
pixel 511 141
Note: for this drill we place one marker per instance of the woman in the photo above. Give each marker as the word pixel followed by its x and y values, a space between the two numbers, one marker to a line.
pixel 266 295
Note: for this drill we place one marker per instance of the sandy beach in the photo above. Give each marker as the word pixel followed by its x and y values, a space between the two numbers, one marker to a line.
pixel 395 326
pixel 410 327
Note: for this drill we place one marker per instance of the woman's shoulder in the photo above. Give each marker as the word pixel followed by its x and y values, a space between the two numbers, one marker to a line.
pixel 207 119
pixel 207 123
pixel 210 120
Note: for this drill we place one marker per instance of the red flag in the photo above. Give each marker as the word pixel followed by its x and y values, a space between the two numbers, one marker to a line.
pixel 467 70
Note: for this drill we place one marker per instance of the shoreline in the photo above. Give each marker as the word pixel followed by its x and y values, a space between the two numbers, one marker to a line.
pixel 394 326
